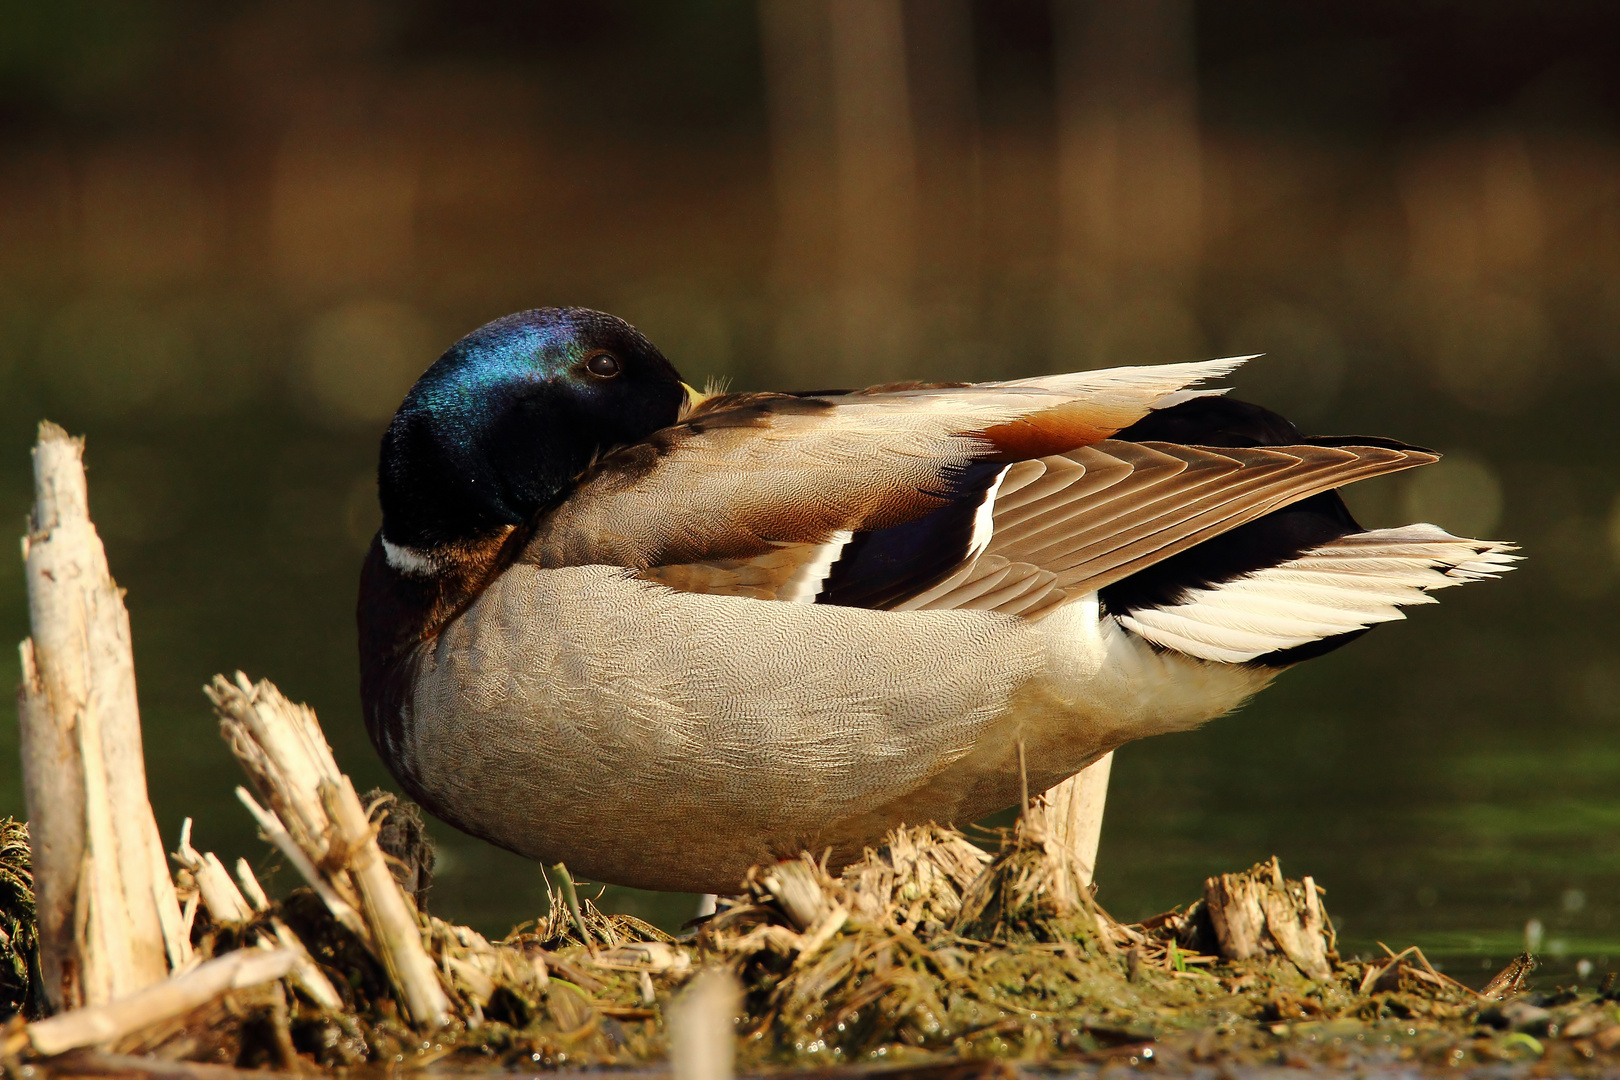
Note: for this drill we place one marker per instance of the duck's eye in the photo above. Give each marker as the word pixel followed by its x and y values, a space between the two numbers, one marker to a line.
pixel 604 365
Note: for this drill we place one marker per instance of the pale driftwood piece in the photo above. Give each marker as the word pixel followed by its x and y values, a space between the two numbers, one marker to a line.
pixel 316 818
pixel 99 1024
pixel 80 681
pixel 219 893
pixel 389 911
pixel 53 789
pixel 1074 813
pixel 702 1035
pixel 1258 911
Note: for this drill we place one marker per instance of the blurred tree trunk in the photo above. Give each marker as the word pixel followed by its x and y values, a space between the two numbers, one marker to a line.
pixel 844 159
pixel 950 212
pixel 1130 181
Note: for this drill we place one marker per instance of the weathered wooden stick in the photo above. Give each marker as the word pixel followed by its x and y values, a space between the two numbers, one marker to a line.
pixel 82 745
pixel 163 1001
pixel 1075 813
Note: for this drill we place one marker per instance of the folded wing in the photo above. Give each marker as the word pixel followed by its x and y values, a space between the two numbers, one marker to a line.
pixel 746 475
pixel 1007 497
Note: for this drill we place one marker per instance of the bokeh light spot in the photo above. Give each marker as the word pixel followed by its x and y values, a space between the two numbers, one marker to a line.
pixel 1460 493
pixel 1493 351
pixel 110 355
pixel 361 357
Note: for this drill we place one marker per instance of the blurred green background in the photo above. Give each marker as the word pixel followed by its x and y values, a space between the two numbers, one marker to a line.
pixel 232 233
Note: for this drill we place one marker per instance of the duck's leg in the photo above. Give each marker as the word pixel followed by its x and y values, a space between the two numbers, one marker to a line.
pixel 1075 812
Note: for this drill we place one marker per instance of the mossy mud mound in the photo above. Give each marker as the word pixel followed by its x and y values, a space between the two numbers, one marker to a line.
pixel 926 953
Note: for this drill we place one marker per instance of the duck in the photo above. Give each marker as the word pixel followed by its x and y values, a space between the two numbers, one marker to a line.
pixel 662 636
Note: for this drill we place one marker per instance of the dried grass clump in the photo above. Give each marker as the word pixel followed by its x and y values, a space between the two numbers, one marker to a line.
pixel 931 945
pixel 21 988
pixel 1034 890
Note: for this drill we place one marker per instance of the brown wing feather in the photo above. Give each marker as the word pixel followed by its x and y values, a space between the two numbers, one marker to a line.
pixel 1096 515
pixel 1191 512
pixel 1077 522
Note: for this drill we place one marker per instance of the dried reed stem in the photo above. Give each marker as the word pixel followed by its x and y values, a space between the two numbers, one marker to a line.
pixel 163 1001
pixel 275 832
pixel 250 886
pixel 315 818
pixel 389 911
pixel 220 895
pixel 109 919
pixel 307 974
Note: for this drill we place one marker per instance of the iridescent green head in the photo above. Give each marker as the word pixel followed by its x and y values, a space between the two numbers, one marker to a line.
pixel 501 424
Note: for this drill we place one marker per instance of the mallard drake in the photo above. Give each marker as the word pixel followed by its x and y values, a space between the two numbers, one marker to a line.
pixel 662 636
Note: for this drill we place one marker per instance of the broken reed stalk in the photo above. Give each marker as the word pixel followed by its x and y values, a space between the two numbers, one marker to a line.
pixel 109 914
pixel 390 912
pixel 702 1027
pixel 228 904
pixel 314 816
pixel 173 997
pixel 109 919
pixel 1074 813
pixel 220 895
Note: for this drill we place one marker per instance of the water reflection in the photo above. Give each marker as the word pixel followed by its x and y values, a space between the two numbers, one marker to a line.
pixel 229 241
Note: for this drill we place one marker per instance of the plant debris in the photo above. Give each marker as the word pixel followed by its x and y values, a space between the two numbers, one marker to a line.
pixel 928 950
pixel 20 981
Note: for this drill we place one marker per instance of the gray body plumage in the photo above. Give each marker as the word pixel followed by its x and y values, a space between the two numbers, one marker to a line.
pixel 572 707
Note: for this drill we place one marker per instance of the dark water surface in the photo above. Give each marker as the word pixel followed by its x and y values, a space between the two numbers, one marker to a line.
pixel 229 239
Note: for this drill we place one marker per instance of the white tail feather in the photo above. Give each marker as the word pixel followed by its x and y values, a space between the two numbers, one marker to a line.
pixel 1351 583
